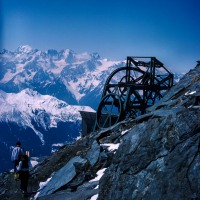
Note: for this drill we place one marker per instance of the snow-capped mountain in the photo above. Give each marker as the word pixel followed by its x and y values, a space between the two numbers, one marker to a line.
pixel 39 121
pixel 64 74
pixel 76 78
pixel 37 89
pixel 47 111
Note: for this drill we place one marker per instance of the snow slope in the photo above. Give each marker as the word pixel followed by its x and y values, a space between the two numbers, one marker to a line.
pixel 46 111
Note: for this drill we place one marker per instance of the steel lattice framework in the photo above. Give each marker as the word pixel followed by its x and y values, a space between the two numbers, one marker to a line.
pixel 130 90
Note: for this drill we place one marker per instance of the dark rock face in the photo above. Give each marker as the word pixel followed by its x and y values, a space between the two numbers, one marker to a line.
pixel 93 154
pixel 85 191
pixel 158 156
pixel 158 164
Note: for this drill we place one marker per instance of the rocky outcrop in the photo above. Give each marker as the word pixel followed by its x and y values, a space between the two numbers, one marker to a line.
pixel 159 158
pixel 155 156
pixel 63 176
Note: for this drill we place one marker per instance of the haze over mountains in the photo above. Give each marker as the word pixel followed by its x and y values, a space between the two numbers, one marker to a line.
pixel 41 94
pixel 69 76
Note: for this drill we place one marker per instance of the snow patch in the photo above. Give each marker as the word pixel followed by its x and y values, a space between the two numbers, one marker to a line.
pixel 34 163
pixel 24 49
pixel 41 185
pixel 190 93
pixel 111 146
pixel 100 173
pixel 78 138
pixel 124 132
pixel 94 197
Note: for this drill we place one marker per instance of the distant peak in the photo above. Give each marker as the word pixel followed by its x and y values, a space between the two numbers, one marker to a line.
pixel 67 52
pixel 24 49
pixel 29 92
pixel 3 51
pixel 52 52
pixel 95 56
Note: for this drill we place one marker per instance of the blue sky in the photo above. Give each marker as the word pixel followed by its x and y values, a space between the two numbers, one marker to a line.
pixel 168 30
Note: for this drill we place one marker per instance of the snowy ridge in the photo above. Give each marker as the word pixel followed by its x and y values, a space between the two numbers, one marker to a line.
pixel 46 111
pixel 79 73
pixel 24 49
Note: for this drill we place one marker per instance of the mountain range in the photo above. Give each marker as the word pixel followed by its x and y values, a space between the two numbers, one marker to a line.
pixel 42 92
pixel 74 78
pixel 77 78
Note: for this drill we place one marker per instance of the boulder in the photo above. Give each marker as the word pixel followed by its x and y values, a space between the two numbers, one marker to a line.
pixel 93 154
pixel 62 177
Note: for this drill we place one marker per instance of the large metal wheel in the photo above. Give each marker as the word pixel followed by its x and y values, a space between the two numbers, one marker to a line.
pixel 123 85
pixel 135 105
pixel 122 77
pixel 151 96
pixel 130 90
pixel 109 111
pixel 119 83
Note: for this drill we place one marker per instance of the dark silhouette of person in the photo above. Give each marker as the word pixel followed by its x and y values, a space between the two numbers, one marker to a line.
pixel 23 170
pixel 16 152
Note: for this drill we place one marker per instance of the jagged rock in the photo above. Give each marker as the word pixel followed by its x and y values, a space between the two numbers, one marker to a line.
pixel 103 156
pixel 93 154
pixel 62 177
pixel 159 157
pixel 83 192
pixel 155 164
